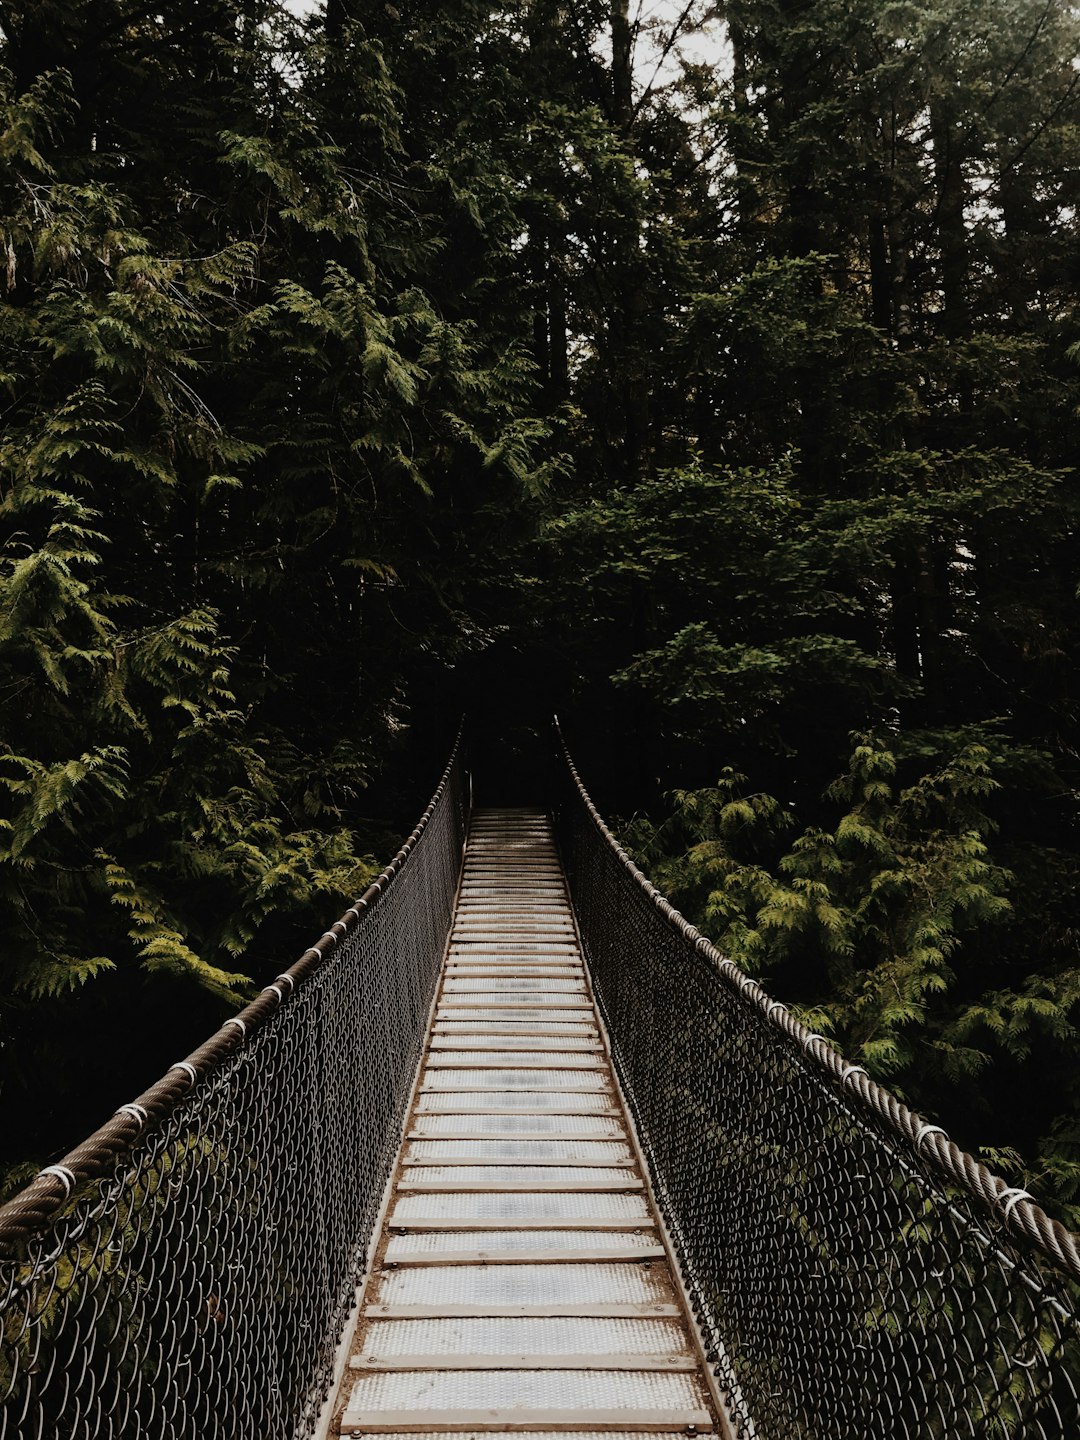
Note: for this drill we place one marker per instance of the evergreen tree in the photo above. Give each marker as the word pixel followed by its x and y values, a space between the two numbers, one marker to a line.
pixel 237 435
pixel 360 359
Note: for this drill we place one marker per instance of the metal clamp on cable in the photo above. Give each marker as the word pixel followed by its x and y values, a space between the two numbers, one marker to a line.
pixel 62 1173
pixel 1012 1198
pixel 925 1130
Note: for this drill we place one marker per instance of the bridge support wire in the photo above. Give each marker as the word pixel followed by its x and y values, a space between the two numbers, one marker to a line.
pixel 186 1272
pixel 854 1272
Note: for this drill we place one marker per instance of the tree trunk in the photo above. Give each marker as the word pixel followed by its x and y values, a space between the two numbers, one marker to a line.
pixel 951 226
pixel 746 190
pixel 631 301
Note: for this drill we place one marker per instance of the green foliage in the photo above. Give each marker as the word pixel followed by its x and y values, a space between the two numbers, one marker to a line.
pixel 880 920
pixel 239 419
pixel 358 367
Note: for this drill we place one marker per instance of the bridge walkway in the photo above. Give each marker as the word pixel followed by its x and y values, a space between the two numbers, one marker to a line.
pixel 521 1280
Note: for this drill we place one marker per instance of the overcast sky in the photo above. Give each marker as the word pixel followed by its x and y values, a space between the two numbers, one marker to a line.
pixel 708 45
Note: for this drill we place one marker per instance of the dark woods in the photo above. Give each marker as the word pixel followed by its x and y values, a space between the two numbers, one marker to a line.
pixel 713 380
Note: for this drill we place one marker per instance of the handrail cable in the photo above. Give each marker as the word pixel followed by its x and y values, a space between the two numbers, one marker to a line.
pixel 200 1249
pixel 833 1240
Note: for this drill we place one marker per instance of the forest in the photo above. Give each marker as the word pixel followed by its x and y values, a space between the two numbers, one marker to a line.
pixel 707 372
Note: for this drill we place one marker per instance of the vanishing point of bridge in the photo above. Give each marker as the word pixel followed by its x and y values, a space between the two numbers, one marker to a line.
pixel 513 1149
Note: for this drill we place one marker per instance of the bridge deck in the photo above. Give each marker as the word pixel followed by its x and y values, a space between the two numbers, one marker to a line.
pixel 520 1282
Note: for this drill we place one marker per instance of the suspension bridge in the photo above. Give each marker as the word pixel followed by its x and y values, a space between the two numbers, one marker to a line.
pixel 512 1148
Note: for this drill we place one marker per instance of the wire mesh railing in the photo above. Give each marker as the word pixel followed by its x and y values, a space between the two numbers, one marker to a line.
pixel 853 1272
pixel 185 1274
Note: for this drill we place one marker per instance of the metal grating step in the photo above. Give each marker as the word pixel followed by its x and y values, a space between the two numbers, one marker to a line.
pixel 512 1042
pixel 509 1126
pixel 520 1209
pixel 520 1059
pixel 509 1335
pixel 519 1396
pixel 535 960
pixel 580 1431
pixel 612 1283
pixel 524 965
pixel 532 964
pixel 495 952
pixel 530 1152
pixel 517 971
pixel 524 1284
pixel 517 1177
pixel 487 925
pixel 479 1079
pixel 515 942
pixel 480 1246
pixel 514 967
pixel 524 985
pixel 513 1029
pixel 524 1016
pixel 565 1102
pixel 519 907
pixel 566 1001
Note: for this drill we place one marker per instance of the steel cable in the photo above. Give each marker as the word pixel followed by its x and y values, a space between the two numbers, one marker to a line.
pixel 185 1273
pixel 854 1272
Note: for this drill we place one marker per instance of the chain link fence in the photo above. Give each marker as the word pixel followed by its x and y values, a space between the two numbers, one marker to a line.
pixel 856 1276
pixel 186 1273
